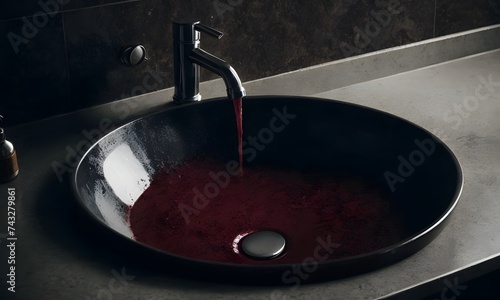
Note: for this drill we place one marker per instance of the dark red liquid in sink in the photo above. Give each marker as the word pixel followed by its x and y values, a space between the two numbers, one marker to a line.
pixel 238 112
pixel 199 210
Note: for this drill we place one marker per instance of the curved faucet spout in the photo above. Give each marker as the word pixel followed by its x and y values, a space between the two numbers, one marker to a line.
pixel 213 63
pixel 188 58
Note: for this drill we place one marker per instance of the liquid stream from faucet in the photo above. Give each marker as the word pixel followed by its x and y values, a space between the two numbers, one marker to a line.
pixel 238 112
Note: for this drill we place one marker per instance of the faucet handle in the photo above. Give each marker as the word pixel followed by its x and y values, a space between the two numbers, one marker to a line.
pixel 208 30
pixel 187 30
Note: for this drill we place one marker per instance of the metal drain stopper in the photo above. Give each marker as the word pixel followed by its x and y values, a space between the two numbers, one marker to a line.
pixel 263 244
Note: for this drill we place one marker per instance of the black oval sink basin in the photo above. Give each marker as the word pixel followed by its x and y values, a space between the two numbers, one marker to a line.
pixel 390 186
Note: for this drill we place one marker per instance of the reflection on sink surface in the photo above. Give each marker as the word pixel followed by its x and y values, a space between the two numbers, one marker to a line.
pixel 339 188
pixel 125 172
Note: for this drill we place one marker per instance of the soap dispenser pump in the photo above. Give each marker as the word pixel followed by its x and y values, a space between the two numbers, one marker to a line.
pixel 8 159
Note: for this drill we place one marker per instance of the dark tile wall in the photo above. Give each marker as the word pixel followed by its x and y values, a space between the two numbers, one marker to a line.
pixel 34 77
pixel 61 55
pixel 455 16
pixel 29 8
pixel 78 4
pixel 94 41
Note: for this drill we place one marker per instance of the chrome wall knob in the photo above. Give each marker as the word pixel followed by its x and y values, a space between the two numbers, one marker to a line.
pixel 133 55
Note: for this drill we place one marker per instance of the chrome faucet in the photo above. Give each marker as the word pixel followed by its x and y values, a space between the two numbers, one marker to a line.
pixel 188 57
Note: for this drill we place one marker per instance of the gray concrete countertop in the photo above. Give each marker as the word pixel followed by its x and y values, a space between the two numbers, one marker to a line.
pixel 459 100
